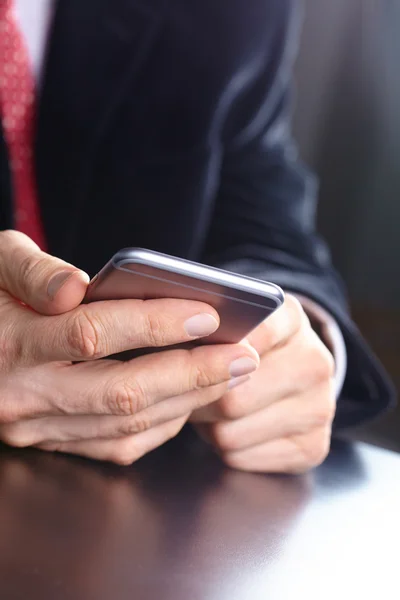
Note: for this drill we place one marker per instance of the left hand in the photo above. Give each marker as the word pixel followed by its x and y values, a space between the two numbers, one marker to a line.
pixel 280 420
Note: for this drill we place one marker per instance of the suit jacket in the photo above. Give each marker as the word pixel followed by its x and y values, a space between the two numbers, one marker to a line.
pixel 165 125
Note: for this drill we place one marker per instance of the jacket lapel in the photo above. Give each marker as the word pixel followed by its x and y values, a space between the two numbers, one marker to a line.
pixel 96 47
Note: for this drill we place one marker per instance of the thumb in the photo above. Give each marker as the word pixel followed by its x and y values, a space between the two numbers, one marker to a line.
pixel 47 284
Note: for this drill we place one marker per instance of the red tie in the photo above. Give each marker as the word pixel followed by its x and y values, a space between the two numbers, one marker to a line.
pixel 17 109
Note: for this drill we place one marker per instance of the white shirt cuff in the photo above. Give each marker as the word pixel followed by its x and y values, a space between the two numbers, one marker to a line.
pixel 333 336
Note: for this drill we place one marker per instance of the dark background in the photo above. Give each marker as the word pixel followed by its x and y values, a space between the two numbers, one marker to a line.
pixel 347 123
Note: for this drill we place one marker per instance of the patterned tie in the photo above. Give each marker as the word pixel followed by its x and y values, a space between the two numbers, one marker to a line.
pixel 17 109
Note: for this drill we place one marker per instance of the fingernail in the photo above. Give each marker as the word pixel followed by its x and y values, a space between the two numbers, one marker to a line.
pixel 243 366
pixel 60 279
pixel 201 325
pixel 238 381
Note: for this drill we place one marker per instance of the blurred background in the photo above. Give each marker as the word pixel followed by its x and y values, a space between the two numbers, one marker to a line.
pixel 347 124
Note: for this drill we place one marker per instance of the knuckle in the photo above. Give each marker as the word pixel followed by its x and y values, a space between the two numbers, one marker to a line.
pixel 155 329
pixel 9 239
pixel 201 377
pixel 324 412
pixel 315 451
pixel 232 406
pixel 224 438
pixel 296 308
pixel 7 236
pixel 285 323
pixel 124 453
pixel 84 336
pixel 234 460
pixel 326 365
pixel 14 436
pixel 139 424
pixel 127 398
pixel 318 454
pixel 173 428
pixel 272 333
pixel 122 459
pixel 321 363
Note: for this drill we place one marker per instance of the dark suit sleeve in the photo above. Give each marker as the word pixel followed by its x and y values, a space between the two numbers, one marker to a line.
pixel 264 220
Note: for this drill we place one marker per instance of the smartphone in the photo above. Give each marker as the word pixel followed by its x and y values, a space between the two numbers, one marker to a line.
pixel 241 302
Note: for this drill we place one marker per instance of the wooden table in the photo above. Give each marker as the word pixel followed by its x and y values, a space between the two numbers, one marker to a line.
pixel 178 526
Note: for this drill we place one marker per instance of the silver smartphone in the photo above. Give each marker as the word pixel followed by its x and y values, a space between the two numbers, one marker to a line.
pixel 241 302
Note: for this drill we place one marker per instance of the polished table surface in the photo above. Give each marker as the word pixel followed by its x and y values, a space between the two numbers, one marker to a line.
pixel 178 526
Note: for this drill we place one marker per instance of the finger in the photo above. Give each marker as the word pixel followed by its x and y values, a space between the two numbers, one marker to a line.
pixel 295 455
pixel 114 388
pixel 126 389
pixel 124 451
pixel 31 432
pixel 47 284
pixel 295 416
pixel 285 372
pixel 102 329
pixel 280 327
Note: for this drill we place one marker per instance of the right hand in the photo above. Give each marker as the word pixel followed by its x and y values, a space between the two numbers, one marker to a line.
pixel 103 409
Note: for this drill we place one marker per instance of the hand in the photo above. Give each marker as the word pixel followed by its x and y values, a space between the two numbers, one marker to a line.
pixel 280 419
pixel 102 409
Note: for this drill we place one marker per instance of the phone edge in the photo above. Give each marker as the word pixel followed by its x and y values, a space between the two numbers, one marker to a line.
pixel 210 274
